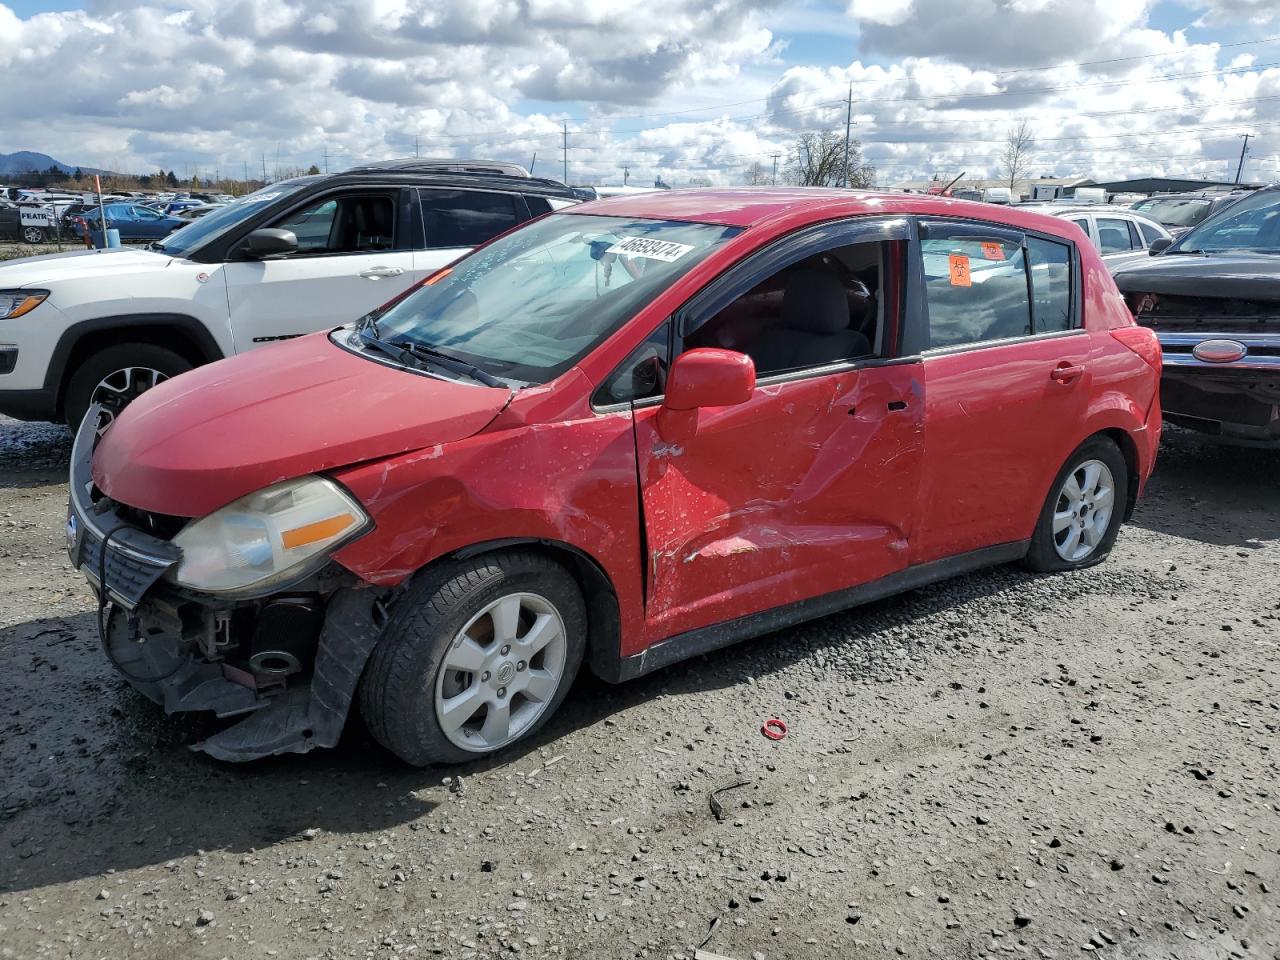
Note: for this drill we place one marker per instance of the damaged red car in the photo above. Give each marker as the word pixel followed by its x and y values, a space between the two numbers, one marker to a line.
pixel 621 435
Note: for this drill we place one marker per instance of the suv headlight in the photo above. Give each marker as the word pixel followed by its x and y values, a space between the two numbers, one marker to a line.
pixel 14 303
pixel 279 533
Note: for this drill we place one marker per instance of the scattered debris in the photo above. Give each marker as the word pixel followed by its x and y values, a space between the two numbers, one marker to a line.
pixel 716 807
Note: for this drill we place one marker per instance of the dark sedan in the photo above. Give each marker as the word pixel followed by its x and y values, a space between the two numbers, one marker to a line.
pixel 1213 298
pixel 133 220
pixel 10 221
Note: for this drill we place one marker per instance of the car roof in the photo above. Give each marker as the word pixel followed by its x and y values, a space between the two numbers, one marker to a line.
pixel 754 206
pixel 421 175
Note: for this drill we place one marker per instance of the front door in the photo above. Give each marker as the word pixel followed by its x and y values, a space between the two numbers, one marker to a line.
pixel 1006 378
pixel 354 253
pixel 809 487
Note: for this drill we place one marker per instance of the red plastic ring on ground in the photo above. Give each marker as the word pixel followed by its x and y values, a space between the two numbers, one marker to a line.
pixel 774 729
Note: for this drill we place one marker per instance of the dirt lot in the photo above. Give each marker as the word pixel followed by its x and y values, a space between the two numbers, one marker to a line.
pixel 1001 765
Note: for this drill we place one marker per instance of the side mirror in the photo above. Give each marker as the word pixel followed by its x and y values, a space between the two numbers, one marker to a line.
pixel 705 377
pixel 267 242
pixel 1159 245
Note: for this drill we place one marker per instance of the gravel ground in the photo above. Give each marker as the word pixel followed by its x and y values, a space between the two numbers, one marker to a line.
pixel 1000 765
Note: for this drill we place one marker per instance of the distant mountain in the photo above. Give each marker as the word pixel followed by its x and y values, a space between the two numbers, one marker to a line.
pixel 28 161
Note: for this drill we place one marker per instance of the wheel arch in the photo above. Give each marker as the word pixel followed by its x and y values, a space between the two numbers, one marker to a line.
pixel 181 333
pixel 1128 450
pixel 604 625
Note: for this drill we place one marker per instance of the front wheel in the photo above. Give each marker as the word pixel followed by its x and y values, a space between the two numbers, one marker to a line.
pixel 117 376
pixel 1081 518
pixel 33 234
pixel 477 655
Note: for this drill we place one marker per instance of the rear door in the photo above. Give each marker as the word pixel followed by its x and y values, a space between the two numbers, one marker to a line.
pixel 355 251
pixel 1006 378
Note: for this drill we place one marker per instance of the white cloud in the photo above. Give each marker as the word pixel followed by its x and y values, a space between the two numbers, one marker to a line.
pixel 219 85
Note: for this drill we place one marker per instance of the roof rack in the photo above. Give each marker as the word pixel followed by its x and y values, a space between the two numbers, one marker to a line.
pixel 424 165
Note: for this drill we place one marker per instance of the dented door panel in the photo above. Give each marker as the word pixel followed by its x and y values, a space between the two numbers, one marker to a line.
pixel 807 488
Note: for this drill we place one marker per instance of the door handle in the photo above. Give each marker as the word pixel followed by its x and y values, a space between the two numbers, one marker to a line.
pixel 1066 372
pixel 378 273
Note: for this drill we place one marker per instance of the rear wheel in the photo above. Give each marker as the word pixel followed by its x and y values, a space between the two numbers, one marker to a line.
pixel 1081 518
pixel 33 234
pixel 118 375
pixel 477 656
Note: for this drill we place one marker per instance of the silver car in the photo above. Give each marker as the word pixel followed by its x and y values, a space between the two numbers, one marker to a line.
pixel 1120 235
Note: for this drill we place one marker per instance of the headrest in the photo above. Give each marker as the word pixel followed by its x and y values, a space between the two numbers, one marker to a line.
pixel 815 301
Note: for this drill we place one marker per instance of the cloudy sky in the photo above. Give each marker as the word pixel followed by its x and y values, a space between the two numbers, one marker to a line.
pixel 680 89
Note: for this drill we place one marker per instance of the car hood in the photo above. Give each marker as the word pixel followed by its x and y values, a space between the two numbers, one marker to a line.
pixel 52 267
pixel 1246 276
pixel 199 441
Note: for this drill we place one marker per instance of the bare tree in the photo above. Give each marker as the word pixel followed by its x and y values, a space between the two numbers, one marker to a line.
pixel 819 162
pixel 757 175
pixel 1017 152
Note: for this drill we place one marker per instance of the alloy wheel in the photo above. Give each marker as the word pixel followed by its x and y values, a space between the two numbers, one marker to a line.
pixel 119 388
pixel 501 672
pixel 33 234
pixel 1083 510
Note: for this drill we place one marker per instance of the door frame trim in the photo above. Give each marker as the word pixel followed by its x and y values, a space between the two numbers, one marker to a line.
pixel 682 646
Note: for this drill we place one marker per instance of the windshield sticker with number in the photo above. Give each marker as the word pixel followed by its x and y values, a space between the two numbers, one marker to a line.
pixel 665 250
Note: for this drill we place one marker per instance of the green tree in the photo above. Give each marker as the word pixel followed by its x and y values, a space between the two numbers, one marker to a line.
pixel 313 170
pixel 171 179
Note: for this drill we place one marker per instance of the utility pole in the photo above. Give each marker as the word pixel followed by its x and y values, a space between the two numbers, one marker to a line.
pixel 564 132
pixel 1244 146
pixel 775 168
pixel 848 122
pixel 533 162
pixel 415 145
pixel 264 166
pixel 326 158
pixel 626 172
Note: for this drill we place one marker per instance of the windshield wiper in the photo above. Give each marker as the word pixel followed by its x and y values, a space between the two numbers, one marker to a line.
pixel 368 333
pixel 452 364
pixel 420 357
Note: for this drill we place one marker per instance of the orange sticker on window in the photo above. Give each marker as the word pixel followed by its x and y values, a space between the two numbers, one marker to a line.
pixel 960 271
pixel 992 251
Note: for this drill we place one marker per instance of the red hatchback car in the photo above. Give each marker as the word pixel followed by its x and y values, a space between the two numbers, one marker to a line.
pixel 630 432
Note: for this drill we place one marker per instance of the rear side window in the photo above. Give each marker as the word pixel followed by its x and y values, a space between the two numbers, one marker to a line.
pixel 976 290
pixel 466 218
pixel 1113 235
pixel 1050 284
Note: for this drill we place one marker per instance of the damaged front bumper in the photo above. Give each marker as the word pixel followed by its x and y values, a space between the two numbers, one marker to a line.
pixel 290 661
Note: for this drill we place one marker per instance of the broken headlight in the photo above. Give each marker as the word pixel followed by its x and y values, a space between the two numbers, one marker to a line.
pixel 279 533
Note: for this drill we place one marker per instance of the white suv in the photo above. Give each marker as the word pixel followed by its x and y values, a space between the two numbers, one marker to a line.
pixel 297 256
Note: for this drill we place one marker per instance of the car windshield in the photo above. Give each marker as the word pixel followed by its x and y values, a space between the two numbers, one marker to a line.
pixel 1186 212
pixel 198 233
pixel 531 304
pixel 1251 224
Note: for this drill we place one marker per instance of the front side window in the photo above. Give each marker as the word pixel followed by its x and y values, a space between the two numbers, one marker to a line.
pixel 976 288
pixel 1149 234
pixel 824 309
pixel 226 218
pixel 531 304
pixel 466 218
pixel 346 224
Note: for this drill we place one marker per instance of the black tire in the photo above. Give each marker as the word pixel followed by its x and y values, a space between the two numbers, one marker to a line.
pixel 398 689
pixel 34 235
pixel 1043 555
pixel 84 381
